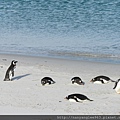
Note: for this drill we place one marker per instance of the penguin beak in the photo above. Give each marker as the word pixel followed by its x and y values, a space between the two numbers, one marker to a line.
pixel 66 98
pixel 16 61
pixel 91 80
pixel 82 83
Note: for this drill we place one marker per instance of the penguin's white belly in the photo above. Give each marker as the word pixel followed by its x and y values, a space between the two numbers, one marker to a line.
pixel 79 100
pixel 10 75
pixel 75 83
pixel 47 84
pixel 73 100
pixel 117 89
pixel 105 81
pixel 98 82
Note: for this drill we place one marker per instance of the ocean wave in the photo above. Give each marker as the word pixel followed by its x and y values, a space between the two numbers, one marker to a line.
pixel 87 29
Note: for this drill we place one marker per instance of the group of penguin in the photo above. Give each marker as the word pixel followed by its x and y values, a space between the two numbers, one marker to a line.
pixel 75 80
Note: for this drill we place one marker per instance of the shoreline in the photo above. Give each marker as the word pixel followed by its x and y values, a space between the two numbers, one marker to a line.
pixel 56 58
pixel 26 93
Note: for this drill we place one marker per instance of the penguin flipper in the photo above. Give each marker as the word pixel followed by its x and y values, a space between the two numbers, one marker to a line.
pixel 115 85
pixel 89 99
pixel 12 73
pixel 112 81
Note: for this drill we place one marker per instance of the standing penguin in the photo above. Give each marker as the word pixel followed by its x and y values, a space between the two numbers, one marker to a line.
pixel 117 86
pixel 10 71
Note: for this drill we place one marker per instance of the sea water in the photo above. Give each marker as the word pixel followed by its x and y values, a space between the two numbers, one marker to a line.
pixel 72 29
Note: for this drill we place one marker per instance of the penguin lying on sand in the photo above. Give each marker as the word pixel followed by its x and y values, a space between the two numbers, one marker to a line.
pixel 77 80
pixel 101 80
pixel 77 98
pixel 47 80
pixel 10 71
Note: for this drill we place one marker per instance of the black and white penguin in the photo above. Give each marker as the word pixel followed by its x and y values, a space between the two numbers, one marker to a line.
pixel 77 80
pixel 77 98
pixel 47 80
pixel 117 86
pixel 101 80
pixel 10 71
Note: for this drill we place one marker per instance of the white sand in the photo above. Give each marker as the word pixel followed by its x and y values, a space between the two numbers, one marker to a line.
pixel 25 95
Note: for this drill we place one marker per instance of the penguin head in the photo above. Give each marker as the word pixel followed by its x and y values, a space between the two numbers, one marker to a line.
pixel 66 98
pixel 77 80
pixel 14 62
pixel 81 82
pixel 43 82
pixel 93 80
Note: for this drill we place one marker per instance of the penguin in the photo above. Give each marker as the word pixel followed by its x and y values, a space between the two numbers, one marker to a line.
pixel 77 98
pixel 117 86
pixel 47 80
pixel 10 71
pixel 101 80
pixel 77 80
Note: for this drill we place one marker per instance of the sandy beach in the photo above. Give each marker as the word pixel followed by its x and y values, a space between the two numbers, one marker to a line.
pixel 25 95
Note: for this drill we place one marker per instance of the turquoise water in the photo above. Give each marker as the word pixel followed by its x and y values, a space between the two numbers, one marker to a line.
pixel 74 29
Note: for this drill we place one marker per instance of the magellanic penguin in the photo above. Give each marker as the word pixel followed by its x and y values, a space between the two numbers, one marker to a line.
pixel 77 97
pixel 77 80
pixel 47 80
pixel 10 71
pixel 101 80
pixel 117 86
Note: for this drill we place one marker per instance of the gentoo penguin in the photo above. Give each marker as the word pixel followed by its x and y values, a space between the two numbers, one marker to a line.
pixel 47 80
pixel 77 80
pixel 117 86
pixel 77 98
pixel 10 71
pixel 101 80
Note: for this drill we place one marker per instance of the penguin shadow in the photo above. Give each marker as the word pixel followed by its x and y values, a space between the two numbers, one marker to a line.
pixel 19 77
